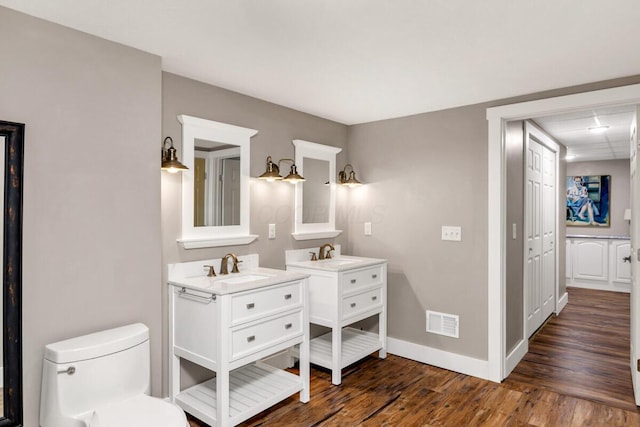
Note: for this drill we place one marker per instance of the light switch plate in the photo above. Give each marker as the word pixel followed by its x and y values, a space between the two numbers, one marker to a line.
pixel 367 229
pixel 272 231
pixel 450 232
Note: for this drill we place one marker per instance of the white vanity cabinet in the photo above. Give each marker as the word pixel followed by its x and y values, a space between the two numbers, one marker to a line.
pixel 599 262
pixel 227 324
pixel 344 290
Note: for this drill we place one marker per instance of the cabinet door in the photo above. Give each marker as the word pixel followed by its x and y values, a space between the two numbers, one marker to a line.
pixel 621 250
pixel 569 261
pixel 591 260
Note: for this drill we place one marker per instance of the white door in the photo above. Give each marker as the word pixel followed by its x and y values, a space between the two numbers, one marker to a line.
pixel 635 262
pixel 533 253
pixel 541 218
pixel 549 217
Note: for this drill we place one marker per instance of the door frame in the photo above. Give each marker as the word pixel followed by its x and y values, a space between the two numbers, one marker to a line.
pixel 496 240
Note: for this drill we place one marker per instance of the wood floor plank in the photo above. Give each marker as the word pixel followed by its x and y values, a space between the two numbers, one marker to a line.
pixel 576 374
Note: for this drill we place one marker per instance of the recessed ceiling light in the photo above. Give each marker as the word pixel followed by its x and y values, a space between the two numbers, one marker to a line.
pixel 570 157
pixel 598 129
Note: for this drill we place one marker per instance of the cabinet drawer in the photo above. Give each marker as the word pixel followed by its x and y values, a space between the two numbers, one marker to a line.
pixel 255 304
pixel 361 302
pixel 362 278
pixel 257 337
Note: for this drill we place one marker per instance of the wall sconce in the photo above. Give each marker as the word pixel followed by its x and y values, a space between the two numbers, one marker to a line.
pixel 273 172
pixel 170 161
pixel 351 181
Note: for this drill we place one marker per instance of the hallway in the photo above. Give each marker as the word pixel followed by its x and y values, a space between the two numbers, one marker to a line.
pixel 584 352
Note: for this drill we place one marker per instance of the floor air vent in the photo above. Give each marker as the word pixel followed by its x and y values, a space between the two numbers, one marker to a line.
pixel 442 323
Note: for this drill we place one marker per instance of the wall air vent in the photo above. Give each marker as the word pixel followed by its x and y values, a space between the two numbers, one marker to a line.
pixel 443 324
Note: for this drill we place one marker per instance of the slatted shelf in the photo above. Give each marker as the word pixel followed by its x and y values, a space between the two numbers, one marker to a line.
pixel 252 389
pixel 356 344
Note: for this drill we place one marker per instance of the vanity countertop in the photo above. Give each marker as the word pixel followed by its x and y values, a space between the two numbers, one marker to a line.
pixel 237 282
pixel 591 236
pixel 337 264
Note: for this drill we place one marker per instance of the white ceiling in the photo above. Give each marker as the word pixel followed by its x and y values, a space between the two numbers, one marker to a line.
pixel 572 130
pixel 363 60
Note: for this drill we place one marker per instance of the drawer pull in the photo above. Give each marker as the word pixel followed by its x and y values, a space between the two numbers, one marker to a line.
pixel 287 296
pixel 353 304
pixel 353 281
pixel 251 338
pixel 374 276
pixel 250 306
pixel 374 298
pixel 288 326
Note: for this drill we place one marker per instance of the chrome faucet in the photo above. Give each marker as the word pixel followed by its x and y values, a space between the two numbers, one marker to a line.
pixel 224 268
pixel 321 252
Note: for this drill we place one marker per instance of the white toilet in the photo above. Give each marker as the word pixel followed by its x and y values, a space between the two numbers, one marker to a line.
pixel 102 380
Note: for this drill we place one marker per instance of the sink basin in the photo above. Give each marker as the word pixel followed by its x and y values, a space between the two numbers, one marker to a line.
pixel 243 279
pixel 338 261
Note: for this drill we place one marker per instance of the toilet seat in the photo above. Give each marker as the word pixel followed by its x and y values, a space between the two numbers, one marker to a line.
pixel 139 411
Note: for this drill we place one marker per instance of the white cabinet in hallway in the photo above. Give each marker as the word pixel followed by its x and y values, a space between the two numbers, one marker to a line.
pixel 596 262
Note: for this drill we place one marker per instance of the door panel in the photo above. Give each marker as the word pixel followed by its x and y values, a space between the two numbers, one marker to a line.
pixel 534 237
pixel 540 228
pixel 549 216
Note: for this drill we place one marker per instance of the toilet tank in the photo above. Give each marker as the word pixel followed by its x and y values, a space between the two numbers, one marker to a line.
pixel 84 373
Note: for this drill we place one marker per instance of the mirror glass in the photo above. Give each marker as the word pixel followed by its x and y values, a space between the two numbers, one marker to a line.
pixel 315 209
pixel 215 187
pixel 315 195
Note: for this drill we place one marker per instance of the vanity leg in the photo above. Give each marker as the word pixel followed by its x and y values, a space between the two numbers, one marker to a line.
pixel 336 355
pixel 382 335
pixel 174 361
pixel 304 347
pixel 382 318
pixel 222 398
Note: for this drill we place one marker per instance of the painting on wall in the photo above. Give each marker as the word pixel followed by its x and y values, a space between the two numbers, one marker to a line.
pixel 588 201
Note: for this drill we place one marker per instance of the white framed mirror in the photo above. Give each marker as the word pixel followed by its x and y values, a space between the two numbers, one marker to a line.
pixel 215 188
pixel 315 198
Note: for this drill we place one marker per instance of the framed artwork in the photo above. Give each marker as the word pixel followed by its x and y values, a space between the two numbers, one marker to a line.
pixel 588 199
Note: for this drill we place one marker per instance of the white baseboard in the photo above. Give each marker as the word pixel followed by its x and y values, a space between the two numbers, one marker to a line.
pixel 515 356
pixel 616 287
pixel 440 358
pixel 562 302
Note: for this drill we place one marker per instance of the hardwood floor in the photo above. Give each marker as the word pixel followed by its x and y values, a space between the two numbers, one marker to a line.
pixel 576 374
pixel 584 352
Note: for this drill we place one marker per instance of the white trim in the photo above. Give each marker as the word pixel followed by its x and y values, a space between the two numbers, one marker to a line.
pixel 562 302
pixel 440 358
pixel 306 231
pixel 516 356
pixel 497 117
pixel 316 235
pixel 210 236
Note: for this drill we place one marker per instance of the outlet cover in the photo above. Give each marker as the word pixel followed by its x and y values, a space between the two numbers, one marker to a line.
pixel 450 232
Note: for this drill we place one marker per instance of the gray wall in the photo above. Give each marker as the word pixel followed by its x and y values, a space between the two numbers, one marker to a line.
pixel 271 203
pixel 422 172
pixel 91 256
pixel 620 194
pixel 514 146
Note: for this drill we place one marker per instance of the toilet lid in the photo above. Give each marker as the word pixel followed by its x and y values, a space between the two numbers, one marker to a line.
pixel 139 411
